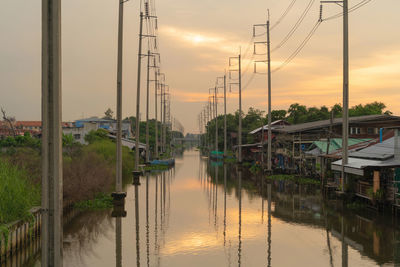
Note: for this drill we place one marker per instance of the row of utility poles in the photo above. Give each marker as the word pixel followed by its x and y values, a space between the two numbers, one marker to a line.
pixel 235 66
pixel 205 118
pixel 52 180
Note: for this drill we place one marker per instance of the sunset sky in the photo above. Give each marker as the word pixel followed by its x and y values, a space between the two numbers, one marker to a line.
pixel 196 39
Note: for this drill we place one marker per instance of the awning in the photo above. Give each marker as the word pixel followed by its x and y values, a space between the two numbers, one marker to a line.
pixel 356 166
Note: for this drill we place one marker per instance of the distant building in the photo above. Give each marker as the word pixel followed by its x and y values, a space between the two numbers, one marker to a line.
pixel 29 126
pixel 80 128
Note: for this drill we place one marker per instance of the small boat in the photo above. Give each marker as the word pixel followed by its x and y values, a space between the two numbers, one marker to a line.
pixel 164 162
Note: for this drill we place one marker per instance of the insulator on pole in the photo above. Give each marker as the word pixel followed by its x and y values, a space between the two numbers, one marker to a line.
pixel 320 13
pixel 146 8
pixel 156 24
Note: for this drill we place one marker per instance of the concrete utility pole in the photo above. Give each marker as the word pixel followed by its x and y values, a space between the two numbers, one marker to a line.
pixel 345 126
pixel 240 109
pixel 147 108
pixel 164 121
pixel 118 185
pixel 268 43
pixel 136 173
pixel 225 146
pixel 239 83
pixel 155 109
pixel 216 118
pixel 269 158
pixel 52 179
pixel 345 116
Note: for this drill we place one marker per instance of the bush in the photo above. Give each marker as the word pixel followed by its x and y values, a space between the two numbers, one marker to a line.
pixel 18 194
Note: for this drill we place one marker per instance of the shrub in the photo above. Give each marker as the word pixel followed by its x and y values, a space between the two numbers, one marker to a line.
pixel 18 194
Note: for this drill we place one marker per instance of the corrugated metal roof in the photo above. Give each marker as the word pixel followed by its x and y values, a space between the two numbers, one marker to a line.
pixel 337 121
pixel 336 143
pixel 275 123
pixel 380 151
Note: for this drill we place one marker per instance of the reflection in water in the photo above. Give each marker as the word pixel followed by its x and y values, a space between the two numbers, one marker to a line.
pixel 178 232
pixel 269 223
pixel 118 241
pixel 147 221
pixel 137 225
pixel 240 217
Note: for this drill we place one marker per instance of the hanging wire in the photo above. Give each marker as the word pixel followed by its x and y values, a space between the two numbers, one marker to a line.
pixel 351 9
pixel 295 27
pixel 283 15
pixel 300 47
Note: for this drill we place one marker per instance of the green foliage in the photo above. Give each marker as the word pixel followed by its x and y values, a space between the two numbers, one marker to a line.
pixel 255 168
pixel 18 194
pixel 20 141
pixel 98 135
pixel 101 201
pixel 295 114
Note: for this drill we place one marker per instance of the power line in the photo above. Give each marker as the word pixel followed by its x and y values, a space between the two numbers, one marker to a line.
pixel 284 14
pixel 300 47
pixel 296 26
pixel 353 8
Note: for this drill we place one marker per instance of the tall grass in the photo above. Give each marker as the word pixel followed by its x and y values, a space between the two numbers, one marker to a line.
pixel 17 193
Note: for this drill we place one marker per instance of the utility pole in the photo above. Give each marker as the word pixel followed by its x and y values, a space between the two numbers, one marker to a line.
pixel 268 43
pixel 345 126
pixel 225 146
pixel 269 158
pixel 161 85
pixel 52 179
pixel 137 172
pixel 216 119
pixel 118 185
pixel 164 120
pixel 240 109
pixel 239 83
pixel 156 74
pixel 147 108
pixel 345 118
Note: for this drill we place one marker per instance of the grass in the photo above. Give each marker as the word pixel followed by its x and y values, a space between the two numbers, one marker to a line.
pixel 101 201
pixel 292 178
pixel 18 195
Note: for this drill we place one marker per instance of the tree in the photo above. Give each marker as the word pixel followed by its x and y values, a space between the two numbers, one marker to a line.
pixel 9 120
pixel 108 114
pixel 277 115
pixel 94 136
pixel 297 113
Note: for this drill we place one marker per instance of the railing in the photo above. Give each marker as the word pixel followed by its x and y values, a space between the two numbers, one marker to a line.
pixel 363 188
pixel 20 236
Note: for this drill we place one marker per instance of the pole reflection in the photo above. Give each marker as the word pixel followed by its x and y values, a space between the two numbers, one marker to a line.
pixel 118 242
pixel 269 223
pixel 225 205
pixel 240 217
pixel 147 221
pixel 137 225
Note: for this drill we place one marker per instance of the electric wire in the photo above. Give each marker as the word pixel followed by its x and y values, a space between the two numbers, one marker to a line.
pixel 351 9
pixel 283 15
pixel 300 47
pixel 295 27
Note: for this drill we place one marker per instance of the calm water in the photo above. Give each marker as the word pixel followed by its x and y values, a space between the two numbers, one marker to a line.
pixel 199 215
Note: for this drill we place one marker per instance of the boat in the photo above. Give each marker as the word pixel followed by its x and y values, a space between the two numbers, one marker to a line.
pixel 164 162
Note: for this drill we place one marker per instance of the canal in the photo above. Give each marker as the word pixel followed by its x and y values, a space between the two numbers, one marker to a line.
pixel 203 214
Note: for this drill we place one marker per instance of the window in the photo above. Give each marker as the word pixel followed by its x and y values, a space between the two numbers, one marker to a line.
pixel 370 130
pixel 355 130
pixel 77 136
